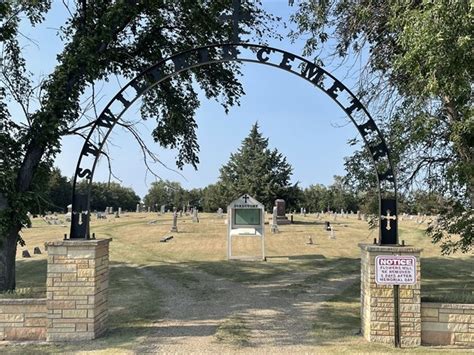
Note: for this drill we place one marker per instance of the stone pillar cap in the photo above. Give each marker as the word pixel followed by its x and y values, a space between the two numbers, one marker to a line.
pixel 77 242
pixel 390 248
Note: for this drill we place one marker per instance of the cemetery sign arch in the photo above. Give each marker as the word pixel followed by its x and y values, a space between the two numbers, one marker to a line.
pixel 241 52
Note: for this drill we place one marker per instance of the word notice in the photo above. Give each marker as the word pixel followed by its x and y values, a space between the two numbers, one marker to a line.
pixel 395 270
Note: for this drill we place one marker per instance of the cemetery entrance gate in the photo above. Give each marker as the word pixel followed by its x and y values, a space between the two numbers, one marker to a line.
pixel 244 53
pixel 391 317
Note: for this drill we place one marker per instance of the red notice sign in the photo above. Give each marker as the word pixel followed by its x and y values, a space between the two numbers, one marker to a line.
pixel 395 270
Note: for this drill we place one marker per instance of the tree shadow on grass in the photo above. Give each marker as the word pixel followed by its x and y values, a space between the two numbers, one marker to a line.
pixel 136 303
pixel 447 279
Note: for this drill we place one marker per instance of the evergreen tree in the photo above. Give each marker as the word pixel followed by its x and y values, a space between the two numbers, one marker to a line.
pixel 256 170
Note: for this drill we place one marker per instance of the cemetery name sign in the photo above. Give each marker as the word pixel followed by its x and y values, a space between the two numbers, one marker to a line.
pixel 395 270
pixel 240 52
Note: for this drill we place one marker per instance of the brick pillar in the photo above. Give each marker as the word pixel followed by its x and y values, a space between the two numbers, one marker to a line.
pixel 77 283
pixel 377 304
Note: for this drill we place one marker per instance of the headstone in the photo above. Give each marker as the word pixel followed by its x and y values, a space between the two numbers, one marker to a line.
pixel 281 209
pixel 301 210
pixel 25 254
pixel 117 215
pixel 274 227
pixel 69 213
pixel 195 215
pixel 220 213
pixel 138 208
pixel 165 239
pixel 162 209
pixel 174 227
pixel 111 210
pixel 119 211
pixel 331 234
pixel 327 225
pixel 36 250
pixel 304 212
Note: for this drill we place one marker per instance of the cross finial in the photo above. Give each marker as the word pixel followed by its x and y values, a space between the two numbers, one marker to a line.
pixel 245 197
pixel 388 217
pixel 236 16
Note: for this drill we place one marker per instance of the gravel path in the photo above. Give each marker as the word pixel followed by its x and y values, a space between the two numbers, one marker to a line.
pixel 274 316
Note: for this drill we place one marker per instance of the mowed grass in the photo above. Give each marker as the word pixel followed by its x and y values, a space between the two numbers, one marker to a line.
pixel 135 303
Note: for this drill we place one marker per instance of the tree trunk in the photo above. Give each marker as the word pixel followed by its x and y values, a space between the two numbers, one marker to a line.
pixel 7 260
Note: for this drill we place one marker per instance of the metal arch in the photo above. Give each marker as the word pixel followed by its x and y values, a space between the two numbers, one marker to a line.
pixel 219 53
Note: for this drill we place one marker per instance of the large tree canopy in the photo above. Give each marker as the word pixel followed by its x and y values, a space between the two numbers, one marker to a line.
pixel 418 78
pixel 103 39
pixel 256 170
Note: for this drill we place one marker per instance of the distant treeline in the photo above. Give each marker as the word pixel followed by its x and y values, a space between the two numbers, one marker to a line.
pixel 315 198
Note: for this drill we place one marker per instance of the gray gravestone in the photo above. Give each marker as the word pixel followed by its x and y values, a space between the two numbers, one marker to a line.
pixel 331 233
pixel 195 215
pixel 174 228
pixel 274 227
pixel 281 209
pixel 138 208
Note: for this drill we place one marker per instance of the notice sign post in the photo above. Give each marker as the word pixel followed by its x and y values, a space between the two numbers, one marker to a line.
pixel 395 270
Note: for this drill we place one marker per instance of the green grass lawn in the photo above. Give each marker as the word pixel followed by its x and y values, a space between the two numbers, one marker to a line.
pixel 135 302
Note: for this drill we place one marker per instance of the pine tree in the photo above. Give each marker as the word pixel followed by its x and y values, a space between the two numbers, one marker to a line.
pixel 258 171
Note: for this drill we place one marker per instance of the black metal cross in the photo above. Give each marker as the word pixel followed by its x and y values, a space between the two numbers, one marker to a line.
pixel 245 197
pixel 236 16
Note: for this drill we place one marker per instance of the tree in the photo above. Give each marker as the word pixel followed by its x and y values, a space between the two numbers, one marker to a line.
pixel 418 79
pixel 112 194
pixel 167 193
pixel 103 39
pixel 214 197
pixel 257 170
pixel 335 197
pixel 58 193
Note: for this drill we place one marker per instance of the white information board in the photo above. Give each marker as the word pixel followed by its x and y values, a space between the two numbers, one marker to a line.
pixel 395 270
pixel 246 218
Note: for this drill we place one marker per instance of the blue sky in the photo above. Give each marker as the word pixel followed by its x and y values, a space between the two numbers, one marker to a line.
pixel 299 120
